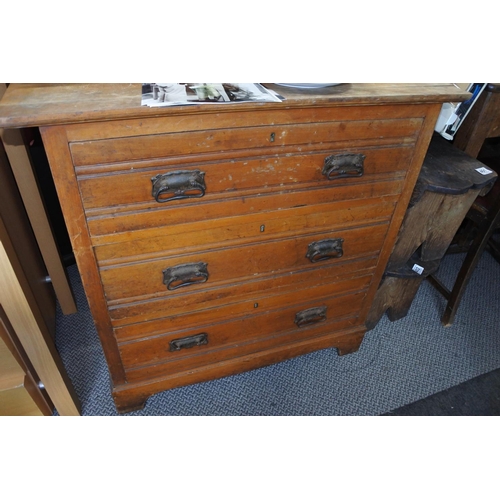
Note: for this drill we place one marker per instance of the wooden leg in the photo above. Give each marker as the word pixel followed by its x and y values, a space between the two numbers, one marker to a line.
pixel 126 404
pixel 348 350
pixel 384 298
pixel 351 346
pixel 407 289
pixel 394 296
pixel 494 248
pixel 469 264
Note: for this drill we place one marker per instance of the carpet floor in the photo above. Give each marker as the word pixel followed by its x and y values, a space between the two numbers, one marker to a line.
pixel 399 365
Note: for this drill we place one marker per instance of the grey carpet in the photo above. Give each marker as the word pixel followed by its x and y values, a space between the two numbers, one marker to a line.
pixel 398 363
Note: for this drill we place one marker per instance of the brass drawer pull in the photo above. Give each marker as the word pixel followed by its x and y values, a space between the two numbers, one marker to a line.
pixel 188 342
pixel 178 185
pixel 310 316
pixel 343 165
pixel 185 275
pixel 325 249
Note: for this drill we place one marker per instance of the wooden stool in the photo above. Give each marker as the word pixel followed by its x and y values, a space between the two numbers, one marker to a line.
pixel 448 185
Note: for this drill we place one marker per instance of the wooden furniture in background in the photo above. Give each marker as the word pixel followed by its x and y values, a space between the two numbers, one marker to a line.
pixel 483 122
pixel 19 160
pixel 214 239
pixel 448 184
pixel 21 391
pixel 28 306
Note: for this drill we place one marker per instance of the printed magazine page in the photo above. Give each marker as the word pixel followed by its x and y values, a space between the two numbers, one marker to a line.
pixel 176 94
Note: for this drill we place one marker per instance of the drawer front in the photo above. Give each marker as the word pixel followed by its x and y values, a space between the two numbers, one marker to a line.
pixel 227 231
pixel 324 335
pixel 230 337
pixel 139 185
pixel 202 270
pixel 149 317
pixel 187 121
pixel 209 142
pixel 242 305
pixel 119 227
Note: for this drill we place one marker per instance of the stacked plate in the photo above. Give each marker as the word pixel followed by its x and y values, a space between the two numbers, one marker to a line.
pixel 307 85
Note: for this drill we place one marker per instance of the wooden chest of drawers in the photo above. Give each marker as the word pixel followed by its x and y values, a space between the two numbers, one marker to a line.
pixel 221 238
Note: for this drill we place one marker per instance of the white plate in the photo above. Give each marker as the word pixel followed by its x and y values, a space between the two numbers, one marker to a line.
pixel 308 85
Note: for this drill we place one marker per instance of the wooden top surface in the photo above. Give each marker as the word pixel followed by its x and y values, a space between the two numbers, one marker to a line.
pixel 29 105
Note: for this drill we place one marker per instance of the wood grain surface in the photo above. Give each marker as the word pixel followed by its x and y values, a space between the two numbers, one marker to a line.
pixel 26 105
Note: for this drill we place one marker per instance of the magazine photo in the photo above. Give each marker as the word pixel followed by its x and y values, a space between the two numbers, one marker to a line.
pixel 174 94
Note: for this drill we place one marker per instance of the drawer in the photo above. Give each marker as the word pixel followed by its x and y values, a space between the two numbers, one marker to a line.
pixel 187 121
pixel 149 317
pixel 241 305
pixel 228 338
pixel 267 139
pixel 325 335
pixel 211 234
pixel 116 227
pixel 139 185
pixel 202 270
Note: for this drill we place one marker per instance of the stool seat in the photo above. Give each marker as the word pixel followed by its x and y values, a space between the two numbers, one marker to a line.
pixel 449 170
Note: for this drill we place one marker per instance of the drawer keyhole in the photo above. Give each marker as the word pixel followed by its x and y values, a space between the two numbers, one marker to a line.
pixel 272 136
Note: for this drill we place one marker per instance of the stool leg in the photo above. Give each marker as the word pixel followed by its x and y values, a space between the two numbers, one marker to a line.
pixel 470 264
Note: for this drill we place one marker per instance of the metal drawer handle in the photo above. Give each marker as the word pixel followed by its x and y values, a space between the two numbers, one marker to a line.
pixel 185 275
pixel 343 165
pixel 310 316
pixel 178 185
pixel 325 249
pixel 188 342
